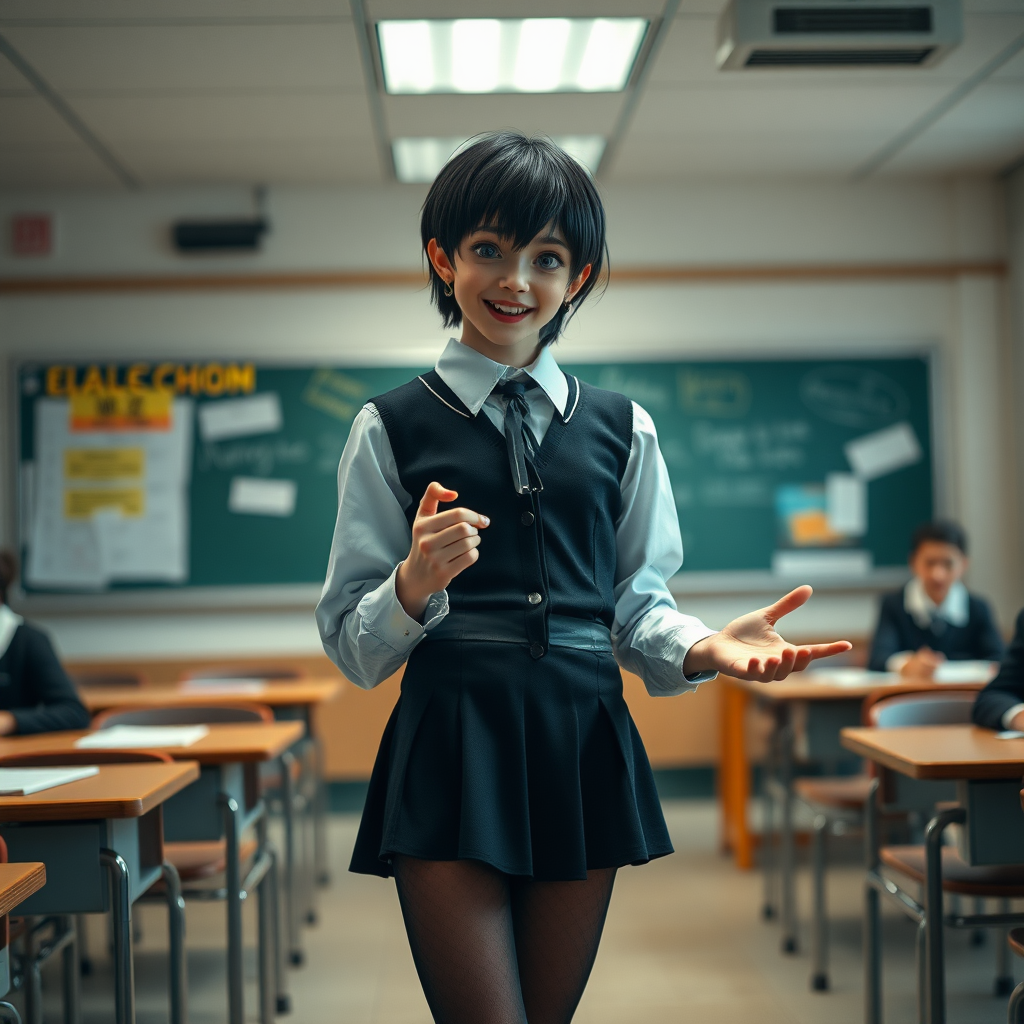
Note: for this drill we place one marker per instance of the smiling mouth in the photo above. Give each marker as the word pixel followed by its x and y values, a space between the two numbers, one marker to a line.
pixel 507 312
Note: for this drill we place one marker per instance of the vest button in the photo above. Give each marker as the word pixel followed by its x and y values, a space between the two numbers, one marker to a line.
pixel 536 650
pixel 534 598
pixel 527 519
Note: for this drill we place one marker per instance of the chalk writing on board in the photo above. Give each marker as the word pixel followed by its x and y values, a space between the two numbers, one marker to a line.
pixel 853 397
pixel 259 457
pixel 721 393
pixel 778 445
pixel 635 386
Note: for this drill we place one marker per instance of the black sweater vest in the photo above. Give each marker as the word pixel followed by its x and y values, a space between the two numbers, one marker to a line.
pixel 546 553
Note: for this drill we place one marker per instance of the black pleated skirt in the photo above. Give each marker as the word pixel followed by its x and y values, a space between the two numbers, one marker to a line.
pixel 532 766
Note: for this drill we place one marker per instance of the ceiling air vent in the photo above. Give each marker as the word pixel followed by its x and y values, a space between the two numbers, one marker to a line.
pixel 763 33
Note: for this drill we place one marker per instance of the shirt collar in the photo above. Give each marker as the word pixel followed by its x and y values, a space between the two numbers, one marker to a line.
pixel 472 376
pixel 9 623
pixel 955 609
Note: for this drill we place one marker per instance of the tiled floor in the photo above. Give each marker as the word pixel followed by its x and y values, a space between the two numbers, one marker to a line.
pixel 683 944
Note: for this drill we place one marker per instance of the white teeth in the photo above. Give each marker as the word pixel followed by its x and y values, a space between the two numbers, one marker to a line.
pixel 510 310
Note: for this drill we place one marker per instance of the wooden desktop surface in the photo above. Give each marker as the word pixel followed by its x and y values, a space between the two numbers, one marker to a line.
pixel 276 693
pixel 824 686
pixel 939 751
pixel 225 743
pixel 118 791
pixel 18 882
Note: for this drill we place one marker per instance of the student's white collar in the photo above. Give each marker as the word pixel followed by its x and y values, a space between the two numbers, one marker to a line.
pixel 955 609
pixel 472 376
pixel 9 623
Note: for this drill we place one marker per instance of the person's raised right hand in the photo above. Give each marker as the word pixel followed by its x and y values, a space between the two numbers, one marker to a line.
pixel 443 544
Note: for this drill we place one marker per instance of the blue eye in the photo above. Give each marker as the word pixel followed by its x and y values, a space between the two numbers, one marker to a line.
pixel 548 261
pixel 486 250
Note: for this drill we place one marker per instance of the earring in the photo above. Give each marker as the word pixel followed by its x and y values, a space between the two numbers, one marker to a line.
pixel 448 289
pixel 568 309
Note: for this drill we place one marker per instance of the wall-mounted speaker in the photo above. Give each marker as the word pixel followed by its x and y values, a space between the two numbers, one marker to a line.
pixel 219 235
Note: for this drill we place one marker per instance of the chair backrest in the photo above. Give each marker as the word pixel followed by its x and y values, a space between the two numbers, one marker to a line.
pixel 184 714
pixel 86 678
pixel 278 672
pixel 930 706
pixel 43 758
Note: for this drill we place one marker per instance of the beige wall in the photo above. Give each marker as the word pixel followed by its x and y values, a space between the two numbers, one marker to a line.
pixel 965 320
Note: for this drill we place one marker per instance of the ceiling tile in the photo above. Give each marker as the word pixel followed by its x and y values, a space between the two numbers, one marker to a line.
pixel 44 166
pixel 133 12
pixel 382 9
pixel 196 60
pixel 558 114
pixel 12 82
pixel 271 118
pixel 29 120
pixel 346 161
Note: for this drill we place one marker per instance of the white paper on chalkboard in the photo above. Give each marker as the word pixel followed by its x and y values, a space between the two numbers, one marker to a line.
pixel 256 496
pixel 240 417
pixel 884 451
pixel 846 502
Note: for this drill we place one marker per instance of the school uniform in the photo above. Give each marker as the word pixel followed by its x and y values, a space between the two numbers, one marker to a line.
pixel 34 687
pixel 511 742
pixel 962 628
pixel 1003 699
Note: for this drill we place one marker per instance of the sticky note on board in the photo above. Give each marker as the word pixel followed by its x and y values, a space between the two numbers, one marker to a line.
pixel 884 451
pixel 256 496
pixel 240 417
pixel 846 501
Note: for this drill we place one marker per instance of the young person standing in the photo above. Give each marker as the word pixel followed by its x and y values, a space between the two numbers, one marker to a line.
pixel 511 783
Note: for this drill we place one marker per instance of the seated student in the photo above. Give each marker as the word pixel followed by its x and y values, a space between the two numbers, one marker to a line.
pixel 1001 704
pixel 36 694
pixel 933 618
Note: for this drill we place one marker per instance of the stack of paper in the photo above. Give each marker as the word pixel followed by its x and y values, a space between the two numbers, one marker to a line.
pixel 25 781
pixel 142 737
pixel 966 671
pixel 214 685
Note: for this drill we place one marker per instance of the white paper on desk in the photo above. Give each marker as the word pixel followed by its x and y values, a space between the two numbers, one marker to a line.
pixel 144 737
pixel 26 781
pixel 846 504
pixel 247 686
pixel 966 671
pixel 847 675
pixel 884 451
pixel 240 417
pixel 1010 734
pixel 257 496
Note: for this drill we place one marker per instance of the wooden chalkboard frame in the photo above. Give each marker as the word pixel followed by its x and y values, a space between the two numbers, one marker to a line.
pixel 299 596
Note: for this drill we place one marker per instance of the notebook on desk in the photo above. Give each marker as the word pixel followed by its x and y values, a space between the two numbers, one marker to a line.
pixel 26 781
pixel 249 687
pixel 142 737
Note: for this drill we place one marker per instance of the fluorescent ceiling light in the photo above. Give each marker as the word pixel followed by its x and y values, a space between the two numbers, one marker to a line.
pixel 481 55
pixel 419 160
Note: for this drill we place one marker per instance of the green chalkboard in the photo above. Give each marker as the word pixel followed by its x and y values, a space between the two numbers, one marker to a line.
pixel 757 451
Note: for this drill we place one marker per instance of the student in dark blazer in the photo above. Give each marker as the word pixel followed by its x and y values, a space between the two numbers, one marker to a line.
pixel 1001 704
pixel 36 694
pixel 933 618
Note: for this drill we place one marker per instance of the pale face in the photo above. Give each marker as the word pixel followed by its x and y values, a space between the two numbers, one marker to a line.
pixel 938 566
pixel 507 295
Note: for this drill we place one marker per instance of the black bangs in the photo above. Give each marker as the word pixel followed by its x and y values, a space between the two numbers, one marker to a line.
pixel 515 185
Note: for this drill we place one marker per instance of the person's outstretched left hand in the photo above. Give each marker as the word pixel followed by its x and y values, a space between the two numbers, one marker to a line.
pixel 750 648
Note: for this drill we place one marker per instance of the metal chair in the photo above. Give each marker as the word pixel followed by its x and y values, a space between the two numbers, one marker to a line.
pixel 201 860
pixel 942 865
pixel 837 802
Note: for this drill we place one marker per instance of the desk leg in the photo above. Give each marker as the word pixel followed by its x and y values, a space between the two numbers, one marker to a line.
pixel 121 917
pixel 291 900
pixel 176 932
pixel 323 873
pixel 787 868
pixel 872 914
pixel 233 873
pixel 734 777
pixel 936 969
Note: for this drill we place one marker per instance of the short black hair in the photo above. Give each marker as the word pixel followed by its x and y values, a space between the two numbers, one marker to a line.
pixel 516 185
pixel 944 531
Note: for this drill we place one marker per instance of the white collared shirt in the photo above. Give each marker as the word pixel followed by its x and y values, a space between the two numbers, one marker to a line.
pixel 9 623
pixel 955 608
pixel 364 628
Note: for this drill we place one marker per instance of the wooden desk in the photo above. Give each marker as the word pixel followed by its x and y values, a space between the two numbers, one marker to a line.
pixel 298 693
pixel 987 772
pixel 101 839
pixel 17 883
pixel 221 804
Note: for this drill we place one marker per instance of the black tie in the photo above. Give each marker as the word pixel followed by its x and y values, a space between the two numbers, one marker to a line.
pixel 522 445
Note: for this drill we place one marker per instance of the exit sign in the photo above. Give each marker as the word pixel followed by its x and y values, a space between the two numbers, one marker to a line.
pixel 31 234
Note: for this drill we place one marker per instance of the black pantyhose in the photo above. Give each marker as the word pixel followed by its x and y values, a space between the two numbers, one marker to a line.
pixel 492 948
